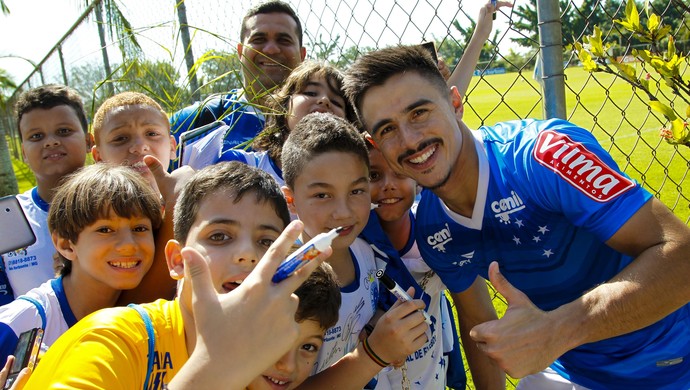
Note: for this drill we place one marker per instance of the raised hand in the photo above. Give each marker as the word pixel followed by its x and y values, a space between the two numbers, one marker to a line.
pixel 241 333
pixel 400 331
pixel 526 339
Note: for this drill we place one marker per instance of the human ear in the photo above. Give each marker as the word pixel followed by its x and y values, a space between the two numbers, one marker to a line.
pixel 288 194
pixel 63 246
pixel 173 257
pixel 456 101
pixel 96 154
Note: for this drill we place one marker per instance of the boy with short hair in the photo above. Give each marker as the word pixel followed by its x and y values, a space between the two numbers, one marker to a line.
pixel 326 169
pixel 219 333
pixel 129 126
pixel 101 221
pixel 391 229
pixel 55 140
pixel 319 302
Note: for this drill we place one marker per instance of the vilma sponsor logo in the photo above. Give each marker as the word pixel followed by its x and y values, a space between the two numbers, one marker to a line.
pixel 506 206
pixel 579 166
pixel 439 239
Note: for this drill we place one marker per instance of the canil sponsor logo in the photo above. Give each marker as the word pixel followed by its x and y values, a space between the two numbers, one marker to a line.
pixel 439 239
pixel 506 206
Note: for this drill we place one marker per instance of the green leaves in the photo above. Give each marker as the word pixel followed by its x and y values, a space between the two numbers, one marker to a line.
pixel 668 64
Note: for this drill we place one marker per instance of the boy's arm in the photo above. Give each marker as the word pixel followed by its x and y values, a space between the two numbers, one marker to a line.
pixel 526 340
pixel 474 307
pixel 240 334
pixel 397 334
pixel 462 75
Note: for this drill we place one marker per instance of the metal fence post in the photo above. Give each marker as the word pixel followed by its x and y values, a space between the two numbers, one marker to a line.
pixel 187 45
pixel 551 47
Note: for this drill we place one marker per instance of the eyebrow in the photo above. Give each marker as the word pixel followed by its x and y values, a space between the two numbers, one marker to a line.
pixel 405 110
pixel 328 185
pixel 234 223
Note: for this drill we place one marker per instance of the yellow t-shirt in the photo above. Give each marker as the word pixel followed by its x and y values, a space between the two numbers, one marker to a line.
pixel 108 350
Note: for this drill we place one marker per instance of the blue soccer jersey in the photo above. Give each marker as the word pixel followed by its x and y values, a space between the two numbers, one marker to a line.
pixel 548 199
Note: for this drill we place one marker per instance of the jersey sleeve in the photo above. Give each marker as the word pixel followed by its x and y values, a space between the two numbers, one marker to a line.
pixel 100 352
pixel 568 172
pixel 16 317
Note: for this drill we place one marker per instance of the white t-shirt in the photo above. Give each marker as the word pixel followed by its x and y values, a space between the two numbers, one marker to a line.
pixel 29 267
pixel 358 306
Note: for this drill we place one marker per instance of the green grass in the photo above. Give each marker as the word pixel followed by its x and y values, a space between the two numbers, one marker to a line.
pixel 25 178
pixel 606 106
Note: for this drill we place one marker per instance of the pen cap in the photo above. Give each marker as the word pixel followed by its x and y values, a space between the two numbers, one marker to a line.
pixel 385 279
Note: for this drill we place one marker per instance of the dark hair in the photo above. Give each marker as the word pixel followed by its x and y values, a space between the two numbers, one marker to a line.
pixel 91 193
pixel 276 131
pixel 234 176
pixel 319 133
pixel 49 96
pixel 319 297
pixel 376 67
pixel 271 7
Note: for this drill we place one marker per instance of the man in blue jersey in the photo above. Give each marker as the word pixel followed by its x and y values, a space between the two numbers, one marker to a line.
pixel 593 267
pixel 270 47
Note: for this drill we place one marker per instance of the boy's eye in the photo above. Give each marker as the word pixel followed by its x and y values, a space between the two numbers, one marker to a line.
pixel 310 348
pixel 35 137
pixel 64 131
pixel 104 229
pixel 359 191
pixel 321 196
pixel 374 176
pixel 119 139
pixel 219 237
pixel 141 229
pixel 266 242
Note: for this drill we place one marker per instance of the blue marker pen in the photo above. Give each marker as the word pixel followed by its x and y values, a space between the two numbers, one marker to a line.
pixel 398 291
pixel 305 253
pixel 493 3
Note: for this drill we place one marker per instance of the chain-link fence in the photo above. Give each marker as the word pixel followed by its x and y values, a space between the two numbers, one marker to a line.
pixel 505 86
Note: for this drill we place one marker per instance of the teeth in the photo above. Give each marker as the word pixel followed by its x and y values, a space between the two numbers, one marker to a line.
pixel 423 157
pixel 388 201
pixel 276 381
pixel 124 264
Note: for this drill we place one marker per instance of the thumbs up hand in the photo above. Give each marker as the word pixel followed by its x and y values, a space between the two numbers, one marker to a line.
pixel 526 339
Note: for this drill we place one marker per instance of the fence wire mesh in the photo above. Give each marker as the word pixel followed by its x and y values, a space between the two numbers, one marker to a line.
pixel 504 86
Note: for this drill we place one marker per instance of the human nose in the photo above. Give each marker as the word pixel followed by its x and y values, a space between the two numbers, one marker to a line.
pixel 324 100
pixel 271 47
pixel 244 254
pixel 139 146
pixel 126 244
pixel 287 363
pixel 51 142
pixel 410 137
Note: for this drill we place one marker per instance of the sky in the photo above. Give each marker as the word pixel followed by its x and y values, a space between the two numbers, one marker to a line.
pixel 35 26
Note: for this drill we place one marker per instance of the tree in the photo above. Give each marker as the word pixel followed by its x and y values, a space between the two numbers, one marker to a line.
pixel 157 79
pixel 660 55
pixel 220 72
pixel 527 22
pixel 8 181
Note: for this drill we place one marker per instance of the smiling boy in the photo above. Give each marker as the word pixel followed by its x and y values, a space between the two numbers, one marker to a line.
pixel 226 218
pixel 326 171
pixel 55 141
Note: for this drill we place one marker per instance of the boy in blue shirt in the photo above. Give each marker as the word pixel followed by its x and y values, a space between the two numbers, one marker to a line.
pixel 326 171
